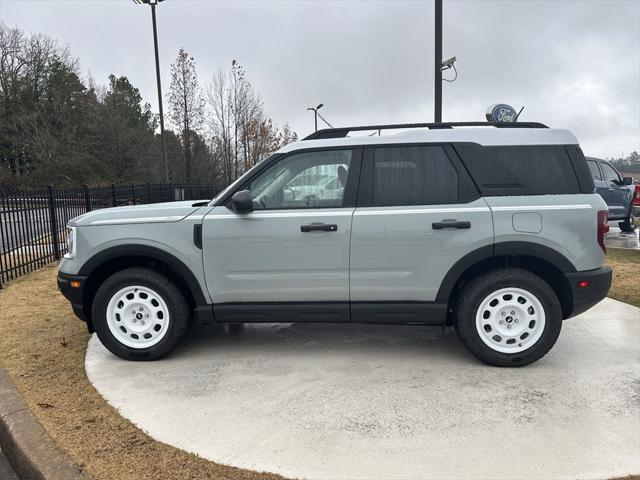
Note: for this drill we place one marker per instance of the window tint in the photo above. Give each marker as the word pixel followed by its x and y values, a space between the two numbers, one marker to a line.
pixel 609 173
pixel 593 168
pixel 303 180
pixel 520 170
pixel 420 175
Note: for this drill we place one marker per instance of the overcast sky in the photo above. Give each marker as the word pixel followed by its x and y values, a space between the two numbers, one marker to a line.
pixel 573 64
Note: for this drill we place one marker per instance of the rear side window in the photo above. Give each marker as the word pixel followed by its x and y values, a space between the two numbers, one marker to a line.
pixel 413 175
pixel 595 171
pixel 520 170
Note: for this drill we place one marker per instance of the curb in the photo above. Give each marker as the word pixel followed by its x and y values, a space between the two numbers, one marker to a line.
pixel 31 452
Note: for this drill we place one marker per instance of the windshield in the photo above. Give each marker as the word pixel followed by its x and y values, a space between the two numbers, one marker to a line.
pixel 238 181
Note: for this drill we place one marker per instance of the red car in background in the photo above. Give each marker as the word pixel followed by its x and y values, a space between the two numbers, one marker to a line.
pixel 636 200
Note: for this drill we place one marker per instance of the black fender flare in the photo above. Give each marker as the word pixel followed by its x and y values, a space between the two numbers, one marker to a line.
pixel 153 253
pixel 529 249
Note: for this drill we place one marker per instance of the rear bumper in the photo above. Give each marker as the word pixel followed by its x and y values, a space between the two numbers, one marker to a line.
pixel 585 298
pixel 74 295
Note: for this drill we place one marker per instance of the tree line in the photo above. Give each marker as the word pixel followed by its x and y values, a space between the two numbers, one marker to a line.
pixel 57 127
pixel 628 164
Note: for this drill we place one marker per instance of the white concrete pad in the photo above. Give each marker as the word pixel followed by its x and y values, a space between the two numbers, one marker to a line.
pixel 390 402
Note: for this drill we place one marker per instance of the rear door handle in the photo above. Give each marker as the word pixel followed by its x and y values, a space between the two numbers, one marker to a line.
pixel 319 227
pixel 450 223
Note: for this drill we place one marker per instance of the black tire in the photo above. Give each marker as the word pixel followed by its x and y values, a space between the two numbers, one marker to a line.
pixel 628 225
pixel 165 288
pixel 473 294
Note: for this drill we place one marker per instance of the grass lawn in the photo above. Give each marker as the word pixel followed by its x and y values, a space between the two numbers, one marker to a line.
pixel 626 275
pixel 42 348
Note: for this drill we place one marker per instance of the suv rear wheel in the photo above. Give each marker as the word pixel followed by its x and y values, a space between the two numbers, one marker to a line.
pixel 508 318
pixel 139 314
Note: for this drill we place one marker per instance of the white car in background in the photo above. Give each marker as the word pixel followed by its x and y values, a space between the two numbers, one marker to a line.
pixel 326 188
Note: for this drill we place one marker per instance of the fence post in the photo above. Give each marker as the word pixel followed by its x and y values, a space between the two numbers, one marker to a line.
pixel 133 193
pixel 149 193
pixel 87 198
pixel 113 194
pixel 54 223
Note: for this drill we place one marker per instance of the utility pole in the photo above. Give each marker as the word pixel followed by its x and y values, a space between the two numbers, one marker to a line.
pixel 437 69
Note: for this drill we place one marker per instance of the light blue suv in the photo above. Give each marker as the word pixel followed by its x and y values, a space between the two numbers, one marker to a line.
pixel 494 229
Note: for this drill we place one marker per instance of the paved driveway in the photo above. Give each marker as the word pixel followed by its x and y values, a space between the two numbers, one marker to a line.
pixel 383 402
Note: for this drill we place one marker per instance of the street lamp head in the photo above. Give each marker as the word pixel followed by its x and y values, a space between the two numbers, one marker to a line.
pixel 311 109
pixel 320 106
pixel 147 2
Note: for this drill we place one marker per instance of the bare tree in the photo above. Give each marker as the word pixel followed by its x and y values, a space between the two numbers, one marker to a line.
pixel 186 103
pixel 219 121
pixel 240 132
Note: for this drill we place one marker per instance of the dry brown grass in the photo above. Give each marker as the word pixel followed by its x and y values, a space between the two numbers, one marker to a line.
pixel 42 348
pixel 626 275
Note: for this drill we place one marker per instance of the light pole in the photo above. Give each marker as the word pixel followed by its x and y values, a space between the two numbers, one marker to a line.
pixel 315 114
pixel 439 66
pixel 437 112
pixel 153 4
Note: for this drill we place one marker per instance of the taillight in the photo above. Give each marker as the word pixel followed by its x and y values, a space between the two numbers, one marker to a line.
pixel 603 228
pixel 636 196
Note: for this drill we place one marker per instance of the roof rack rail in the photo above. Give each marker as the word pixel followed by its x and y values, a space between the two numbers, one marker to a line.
pixel 344 131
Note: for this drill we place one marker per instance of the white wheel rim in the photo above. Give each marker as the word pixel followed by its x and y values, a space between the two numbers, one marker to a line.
pixel 510 320
pixel 137 316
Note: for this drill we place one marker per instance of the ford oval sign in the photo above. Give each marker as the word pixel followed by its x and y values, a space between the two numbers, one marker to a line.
pixel 501 113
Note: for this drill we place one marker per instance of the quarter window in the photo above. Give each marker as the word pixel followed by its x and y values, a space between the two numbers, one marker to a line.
pixel 303 180
pixel 520 169
pixel 414 175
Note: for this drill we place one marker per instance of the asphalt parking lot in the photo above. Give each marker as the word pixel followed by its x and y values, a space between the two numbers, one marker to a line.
pixel 380 402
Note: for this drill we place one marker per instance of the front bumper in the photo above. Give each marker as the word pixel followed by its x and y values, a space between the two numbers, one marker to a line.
pixel 599 281
pixel 73 293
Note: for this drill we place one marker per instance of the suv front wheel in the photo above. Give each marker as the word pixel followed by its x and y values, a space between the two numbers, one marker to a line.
pixel 139 314
pixel 508 318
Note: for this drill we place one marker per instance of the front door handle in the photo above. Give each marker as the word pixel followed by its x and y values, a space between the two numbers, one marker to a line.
pixel 319 227
pixel 450 223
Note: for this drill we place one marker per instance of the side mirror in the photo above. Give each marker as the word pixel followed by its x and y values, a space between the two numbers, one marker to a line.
pixel 241 202
pixel 627 180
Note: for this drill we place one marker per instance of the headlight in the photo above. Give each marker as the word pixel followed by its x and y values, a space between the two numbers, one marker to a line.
pixel 71 242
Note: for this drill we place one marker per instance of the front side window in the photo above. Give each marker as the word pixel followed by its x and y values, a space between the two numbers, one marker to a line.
pixel 413 175
pixel 595 171
pixel 610 175
pixel 303 180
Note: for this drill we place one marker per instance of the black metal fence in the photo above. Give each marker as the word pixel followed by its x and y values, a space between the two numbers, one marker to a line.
pixel 33 220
